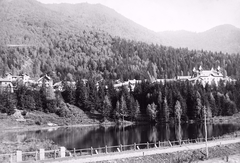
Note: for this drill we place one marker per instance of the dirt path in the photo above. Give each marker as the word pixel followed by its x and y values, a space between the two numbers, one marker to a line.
pixel 147 152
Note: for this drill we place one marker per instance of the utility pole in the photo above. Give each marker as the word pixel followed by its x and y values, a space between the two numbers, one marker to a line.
pixel 179 132
pixel 205 126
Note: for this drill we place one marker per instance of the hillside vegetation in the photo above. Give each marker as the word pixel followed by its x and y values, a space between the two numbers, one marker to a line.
pixel 60 45
pixel 103 18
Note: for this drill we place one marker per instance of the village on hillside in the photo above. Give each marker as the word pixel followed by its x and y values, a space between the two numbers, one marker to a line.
pixel 10 82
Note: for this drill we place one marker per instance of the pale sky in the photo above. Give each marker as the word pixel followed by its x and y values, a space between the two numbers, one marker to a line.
pixel 164 15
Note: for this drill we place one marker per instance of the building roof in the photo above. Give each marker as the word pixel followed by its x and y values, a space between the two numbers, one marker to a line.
pixel 127 83
pixel 195 78
pixel 164 80
pixel 44 76
pixel 202 74
pixel 206 73
pixel 183 77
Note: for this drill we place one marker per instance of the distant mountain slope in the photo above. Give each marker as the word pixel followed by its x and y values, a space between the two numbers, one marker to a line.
pixel 22 14
pixel 26 22
pixel 107 19
pixel 225 38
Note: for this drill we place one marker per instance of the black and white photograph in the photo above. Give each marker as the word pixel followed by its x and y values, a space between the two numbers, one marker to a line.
pixel 119 81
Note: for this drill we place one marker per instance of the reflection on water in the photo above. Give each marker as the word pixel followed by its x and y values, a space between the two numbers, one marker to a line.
pixel 85 137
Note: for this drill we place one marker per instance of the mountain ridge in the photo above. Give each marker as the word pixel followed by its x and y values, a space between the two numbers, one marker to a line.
pixel 224 38
pixel 84 16
pixel 105 18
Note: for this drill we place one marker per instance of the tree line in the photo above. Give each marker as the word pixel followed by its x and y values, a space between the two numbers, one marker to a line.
pixel 156 102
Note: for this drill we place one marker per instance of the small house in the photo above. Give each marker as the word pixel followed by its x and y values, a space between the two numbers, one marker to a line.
pixel 6 85
pixel 45 79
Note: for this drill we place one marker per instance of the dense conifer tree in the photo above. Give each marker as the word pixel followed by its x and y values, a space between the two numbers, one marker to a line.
pixel 69 94
pixel 152 112
pixel 178 112
pixel 81 95
pixel 107 107
pixel 166 113
pixel 123 108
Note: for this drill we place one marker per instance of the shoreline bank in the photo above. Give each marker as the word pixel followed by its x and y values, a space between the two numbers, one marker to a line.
pixel 21 127
pixel 45 127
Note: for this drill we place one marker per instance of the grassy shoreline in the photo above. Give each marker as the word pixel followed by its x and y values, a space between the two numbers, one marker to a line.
pixel 9 123
pixel 235 119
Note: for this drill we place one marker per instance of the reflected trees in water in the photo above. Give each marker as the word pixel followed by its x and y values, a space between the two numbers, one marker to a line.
pixel 95 136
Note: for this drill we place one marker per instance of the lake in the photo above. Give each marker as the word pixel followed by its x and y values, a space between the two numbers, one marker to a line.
pixel 97 136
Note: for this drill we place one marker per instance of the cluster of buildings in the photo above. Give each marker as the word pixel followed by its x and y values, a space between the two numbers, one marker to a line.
pixel 204 77
pixel 213 76
pixel 130 84
pixel 10 82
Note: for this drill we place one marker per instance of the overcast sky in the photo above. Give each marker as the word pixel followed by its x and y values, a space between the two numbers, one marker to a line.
pixel 162 15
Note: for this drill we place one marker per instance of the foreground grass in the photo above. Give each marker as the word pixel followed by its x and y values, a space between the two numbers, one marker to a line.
pixel 26 145
pixel 13 143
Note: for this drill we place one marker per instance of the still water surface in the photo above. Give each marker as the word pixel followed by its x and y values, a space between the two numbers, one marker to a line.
pixel 95 136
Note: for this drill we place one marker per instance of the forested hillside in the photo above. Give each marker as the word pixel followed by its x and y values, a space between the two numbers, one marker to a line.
pixel 104 18
pixel 59 45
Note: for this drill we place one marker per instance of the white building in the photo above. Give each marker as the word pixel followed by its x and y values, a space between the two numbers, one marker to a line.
pixel 45 79
pixel 16 78
pixel 59 86
pixel 208 76
pixel 6 85
pixel 130 84
pixel 183 78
